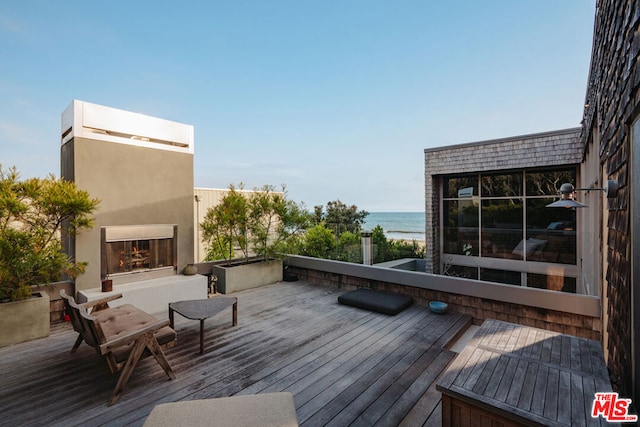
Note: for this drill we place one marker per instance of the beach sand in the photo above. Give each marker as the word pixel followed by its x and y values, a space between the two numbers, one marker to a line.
pixel 421 243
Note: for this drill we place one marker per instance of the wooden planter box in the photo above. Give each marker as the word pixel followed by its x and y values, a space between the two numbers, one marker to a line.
pixel 26 320
pixel 242 275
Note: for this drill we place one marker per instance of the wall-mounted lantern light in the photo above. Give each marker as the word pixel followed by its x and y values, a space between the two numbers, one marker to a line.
pixel 568 194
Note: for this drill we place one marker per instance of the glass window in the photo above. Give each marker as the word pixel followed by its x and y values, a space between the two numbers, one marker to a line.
pixel 501 228
pixel 551 233
pixel 460 187
pixel 552 282
pixel 504 215
pixel 460 271
pixel 547 183
pixel 501 276
pixel 460 228
pixel 502 185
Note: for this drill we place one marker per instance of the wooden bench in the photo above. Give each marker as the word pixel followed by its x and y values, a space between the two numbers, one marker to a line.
pixel 122 336
pixel 514 375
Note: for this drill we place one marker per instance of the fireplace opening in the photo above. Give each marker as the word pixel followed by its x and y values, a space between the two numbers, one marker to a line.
pixel 136 249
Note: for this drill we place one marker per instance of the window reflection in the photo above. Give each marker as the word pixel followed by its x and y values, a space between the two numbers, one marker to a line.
pixel 502 228
pixel 501 276
pixel 502 185
pixel 461 231
pixel 464 186
pixel 551 282
pixel 551 233
pixel 547 183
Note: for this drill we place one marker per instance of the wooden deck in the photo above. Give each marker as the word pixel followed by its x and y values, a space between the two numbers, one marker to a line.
pixel 344 366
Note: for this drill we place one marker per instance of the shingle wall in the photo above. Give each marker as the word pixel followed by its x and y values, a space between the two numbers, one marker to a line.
pixel 613 103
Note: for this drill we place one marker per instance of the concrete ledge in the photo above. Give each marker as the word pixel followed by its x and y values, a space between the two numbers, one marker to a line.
pixel 551 300
pixel 153 296
pixel 264 410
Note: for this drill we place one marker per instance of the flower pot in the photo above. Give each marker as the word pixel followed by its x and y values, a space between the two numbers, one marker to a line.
pixel 241 276
pixel 190 270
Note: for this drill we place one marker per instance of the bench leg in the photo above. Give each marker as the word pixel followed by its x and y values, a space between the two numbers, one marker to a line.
pixel 77 343
pixel 147 341
pixel 235 313
pixel 130 365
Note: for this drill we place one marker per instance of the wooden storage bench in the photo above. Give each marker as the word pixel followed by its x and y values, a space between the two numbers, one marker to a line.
pixel 512 375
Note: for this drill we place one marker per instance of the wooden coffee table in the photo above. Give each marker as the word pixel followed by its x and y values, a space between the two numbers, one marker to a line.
pixel 201 309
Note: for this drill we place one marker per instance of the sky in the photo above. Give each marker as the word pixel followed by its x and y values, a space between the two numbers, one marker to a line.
pixel 334 99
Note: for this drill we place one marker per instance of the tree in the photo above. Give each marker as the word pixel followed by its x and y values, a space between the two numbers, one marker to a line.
pixel 319 242
pixel 350 247
pixel 34 215
pixel 340 217
pixel 262 222
pixel 274 220
pixel 225 226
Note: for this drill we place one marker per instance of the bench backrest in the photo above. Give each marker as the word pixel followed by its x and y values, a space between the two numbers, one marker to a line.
pixel 89 327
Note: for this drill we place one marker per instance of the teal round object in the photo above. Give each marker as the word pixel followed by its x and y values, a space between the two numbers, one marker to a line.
pixel 438 307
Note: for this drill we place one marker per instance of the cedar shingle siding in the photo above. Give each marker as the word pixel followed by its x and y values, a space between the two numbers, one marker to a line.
pixel 611 105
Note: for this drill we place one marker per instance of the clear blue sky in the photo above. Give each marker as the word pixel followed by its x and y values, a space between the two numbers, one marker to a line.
pixel 336 99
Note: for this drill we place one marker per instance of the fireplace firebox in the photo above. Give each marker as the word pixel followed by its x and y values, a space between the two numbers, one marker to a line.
pixel 146 251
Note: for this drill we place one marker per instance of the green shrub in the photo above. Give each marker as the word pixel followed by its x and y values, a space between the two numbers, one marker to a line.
pixel 35 215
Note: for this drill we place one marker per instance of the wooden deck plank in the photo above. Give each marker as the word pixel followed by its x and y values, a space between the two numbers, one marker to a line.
pixel 395 382
pixel 344 393
pixel 414 392
pixel 285 331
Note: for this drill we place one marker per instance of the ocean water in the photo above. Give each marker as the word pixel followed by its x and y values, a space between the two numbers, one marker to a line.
pixel 397 225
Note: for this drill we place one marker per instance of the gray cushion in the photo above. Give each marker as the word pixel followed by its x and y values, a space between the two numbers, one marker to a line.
pixel 378 301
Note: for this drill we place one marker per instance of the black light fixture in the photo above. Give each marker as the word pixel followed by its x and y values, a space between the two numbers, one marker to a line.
pixel 568 194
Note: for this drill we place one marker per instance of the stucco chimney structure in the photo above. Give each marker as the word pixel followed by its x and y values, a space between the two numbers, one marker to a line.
pixel 141 169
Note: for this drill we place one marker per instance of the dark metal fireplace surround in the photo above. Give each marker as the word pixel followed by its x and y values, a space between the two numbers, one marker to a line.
pixel 130 253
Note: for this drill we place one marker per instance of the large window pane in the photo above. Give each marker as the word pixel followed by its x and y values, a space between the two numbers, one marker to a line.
pixel 502 228
pixel 502 185
pixel 460 271
pixel 552 282
pixel 501 276
pixel 460 187
pixel 460 227
pixel 551 233
pixel 547 183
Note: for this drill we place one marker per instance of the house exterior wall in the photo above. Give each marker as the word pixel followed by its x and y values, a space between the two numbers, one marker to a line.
pixel 556 148
pixel 205 198
pixel 136 184
pixel 612 106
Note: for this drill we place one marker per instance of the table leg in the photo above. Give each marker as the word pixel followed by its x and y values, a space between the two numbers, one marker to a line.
pixel 235 313
pixel 201 336
pixel 171 317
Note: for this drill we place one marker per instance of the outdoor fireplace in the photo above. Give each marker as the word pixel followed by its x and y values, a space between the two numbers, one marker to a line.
pixel 138 252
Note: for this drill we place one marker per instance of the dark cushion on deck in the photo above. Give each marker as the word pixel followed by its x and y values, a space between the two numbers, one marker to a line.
pixel 378 301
